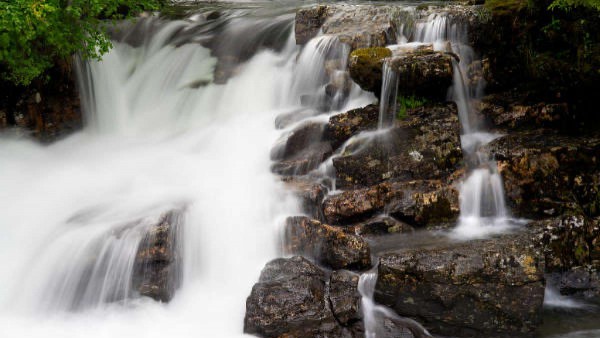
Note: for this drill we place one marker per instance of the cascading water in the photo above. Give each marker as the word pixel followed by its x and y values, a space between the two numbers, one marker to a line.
pixel 482 205
pixel 160 136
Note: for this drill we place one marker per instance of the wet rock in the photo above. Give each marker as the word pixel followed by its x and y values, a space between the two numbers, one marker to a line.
pixel 510 110
pixel 310 193
pixel 366 67
pixel 566 242
pixel 423 73
pixel 309 22
pixel 297 140
pixel 157 265
pixel 581 282
pixel 382 225
pixel 304 161
pixel 546 174
pixel 295 298
pixel 424 144
pixel 327 244
pixel 361 26
pixel 344 297
pixel 416 202
pixel 343 126
pixel 489 288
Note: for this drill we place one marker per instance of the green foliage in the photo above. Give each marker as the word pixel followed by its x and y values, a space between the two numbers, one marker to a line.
pixel 567 5
pixel 36 33
pixel 408 102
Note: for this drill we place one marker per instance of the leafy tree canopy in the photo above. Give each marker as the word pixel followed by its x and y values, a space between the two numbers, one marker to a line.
pixel 35 33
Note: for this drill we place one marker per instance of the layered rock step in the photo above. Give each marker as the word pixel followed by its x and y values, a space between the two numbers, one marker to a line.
pixel 487 288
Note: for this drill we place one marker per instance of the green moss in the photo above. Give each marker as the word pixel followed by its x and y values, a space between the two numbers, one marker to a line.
pixel 372 53
pixel 408 102
pixel 505 6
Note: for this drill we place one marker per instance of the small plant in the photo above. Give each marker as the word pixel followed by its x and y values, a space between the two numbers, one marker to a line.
pixel 408 102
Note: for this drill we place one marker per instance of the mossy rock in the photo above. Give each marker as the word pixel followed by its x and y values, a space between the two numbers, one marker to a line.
pixel 366 67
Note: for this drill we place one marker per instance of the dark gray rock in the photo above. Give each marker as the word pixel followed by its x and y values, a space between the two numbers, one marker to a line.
pixel 487 288
pixel 343 126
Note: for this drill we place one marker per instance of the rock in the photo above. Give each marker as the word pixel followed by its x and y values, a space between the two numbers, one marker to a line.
pixel 157 265
pixel 285 120
pixel 304 161
pixel 366 67
pixel 327 244
pixel 546 174
pixel 297 141
pixel 294 298
pixel 581 282
pixel 382 225
pixel 424 144
pixel 344 297
pixel 361 26
pixel 489 288
pixel 309 22
pixel 416 202
pixel 510 110
pixel 345 125
pixel 566 242
pixel 423 73
pixel 310 193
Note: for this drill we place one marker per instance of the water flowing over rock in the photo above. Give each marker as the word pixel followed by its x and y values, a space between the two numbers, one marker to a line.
pixel 422 73
pixel 326 244
pixel 491 288
pixel 345 125
pixel 424 144
pixel 157 265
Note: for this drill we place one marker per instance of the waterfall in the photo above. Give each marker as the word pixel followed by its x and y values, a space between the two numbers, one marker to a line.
pixel 389 96
pixel 482 204
pixel 161 135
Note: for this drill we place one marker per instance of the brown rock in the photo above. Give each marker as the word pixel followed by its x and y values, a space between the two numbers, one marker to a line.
pixel 327 244
pixel 343 126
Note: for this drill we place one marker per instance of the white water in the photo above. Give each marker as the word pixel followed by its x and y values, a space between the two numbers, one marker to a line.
pixel 482 205
pixel 151 144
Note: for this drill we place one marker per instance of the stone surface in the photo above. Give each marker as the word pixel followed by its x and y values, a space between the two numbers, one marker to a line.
pixel 547 174
pixel 309 22
pixel 157 265
pixel 382 225
pixel 366 67
pixel 425 144
pixel 361 26
pixel 423 73
pixel 488 288
pixel 345 125
pixel 297 140
pixel 295 298
pixel 416 202
pixel 567 242
pixel 327 244
pixel 510 110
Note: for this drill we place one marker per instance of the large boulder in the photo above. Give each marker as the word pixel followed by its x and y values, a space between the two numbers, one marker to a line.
pixel 366 67
pixel 309 22
pixel 415 202
pixel 546 174
pixel 423 144
pixel 566 242
pixel 157 266
pixel 357 26
pixel 326 244
pixel 295 298
pixel 487 288
pixel 423 73
pixel 345 125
